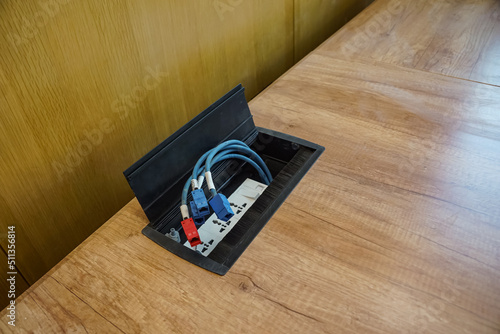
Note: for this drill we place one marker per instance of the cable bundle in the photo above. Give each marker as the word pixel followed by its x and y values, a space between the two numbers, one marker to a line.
pixel 231 149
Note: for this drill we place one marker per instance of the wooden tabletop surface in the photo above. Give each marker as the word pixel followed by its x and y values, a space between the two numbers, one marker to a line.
pixel 458 38
pixel 396 229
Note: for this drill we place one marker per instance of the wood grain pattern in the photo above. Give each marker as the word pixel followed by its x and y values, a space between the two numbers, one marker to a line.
pixel 394 230
pixel 316 20
pixel 455 38
pixel 89 87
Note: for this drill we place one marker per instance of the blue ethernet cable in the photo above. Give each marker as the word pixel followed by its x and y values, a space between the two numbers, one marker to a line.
pixel 201 161
pixel 230 145
pixel 219 158
pixel 235 146
pixel 228 155
pixel 219 203
pixel 239 146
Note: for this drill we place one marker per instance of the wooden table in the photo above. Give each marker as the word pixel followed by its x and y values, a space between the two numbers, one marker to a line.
pixel 396 229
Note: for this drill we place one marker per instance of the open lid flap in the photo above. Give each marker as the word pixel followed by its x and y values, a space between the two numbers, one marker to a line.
pixel 155 177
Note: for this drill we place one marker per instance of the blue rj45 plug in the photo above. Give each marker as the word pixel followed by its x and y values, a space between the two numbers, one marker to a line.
pixel 221 207
pixel 200 202
pixel 197 217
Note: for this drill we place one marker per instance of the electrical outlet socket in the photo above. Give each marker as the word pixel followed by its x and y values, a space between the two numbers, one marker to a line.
pixel 214 230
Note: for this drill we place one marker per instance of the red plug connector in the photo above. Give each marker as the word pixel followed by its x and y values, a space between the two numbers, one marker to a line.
pixel 191 232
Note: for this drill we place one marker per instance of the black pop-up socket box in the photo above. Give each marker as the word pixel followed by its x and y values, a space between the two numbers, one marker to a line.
pixel 158 178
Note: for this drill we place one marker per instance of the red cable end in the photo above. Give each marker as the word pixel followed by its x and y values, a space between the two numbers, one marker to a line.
pixel 191 232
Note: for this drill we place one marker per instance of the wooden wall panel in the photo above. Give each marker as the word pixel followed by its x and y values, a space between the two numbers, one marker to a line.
pixel 89 87
pixel 316 20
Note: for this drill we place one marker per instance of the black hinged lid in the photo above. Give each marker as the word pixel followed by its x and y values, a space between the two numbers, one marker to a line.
pixel 153 177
